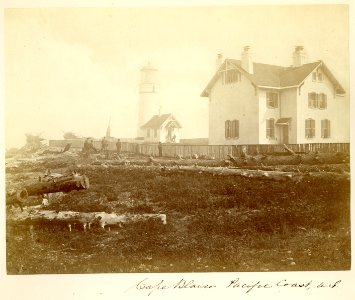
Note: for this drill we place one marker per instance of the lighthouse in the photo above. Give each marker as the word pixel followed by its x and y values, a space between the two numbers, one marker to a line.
pixel 149 104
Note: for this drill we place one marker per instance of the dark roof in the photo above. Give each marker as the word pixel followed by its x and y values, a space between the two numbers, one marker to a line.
pixel 158 120
pixel 275 76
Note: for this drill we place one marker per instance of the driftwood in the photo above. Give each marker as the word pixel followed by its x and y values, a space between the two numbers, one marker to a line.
pixel 290 151
pixel 233 159
pixel 67 147
pixel 152 160
pixel 276 175
pixel 273 175
pixel 56 184
pixel 86 220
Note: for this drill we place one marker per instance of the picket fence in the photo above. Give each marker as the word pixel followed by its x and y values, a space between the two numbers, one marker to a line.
pixel 209 151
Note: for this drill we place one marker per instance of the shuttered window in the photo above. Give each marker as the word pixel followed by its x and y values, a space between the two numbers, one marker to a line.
pixel 317 100
pixel 325 126
pixel 272 100
pixel 310 128
pixel 235 129
pixel 227 129
pixel 312 100
pixel 231 129
pixel 322 101
pixel 270 128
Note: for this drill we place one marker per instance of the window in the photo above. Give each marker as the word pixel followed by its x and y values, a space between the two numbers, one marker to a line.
pixel 231 129
pixel 155 133
pixel 322 101
pixel 148 133
pixel 325 125
pixel 317 100
pixel 310 128
pixel 317 76
pixel 314 76
pixel 227 129
pixel 270 128
pixel 272 99
pixel 235 129
pixel 312 100
pixel 231 76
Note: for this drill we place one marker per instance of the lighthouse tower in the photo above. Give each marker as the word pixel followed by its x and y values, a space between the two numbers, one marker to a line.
pixel 149 104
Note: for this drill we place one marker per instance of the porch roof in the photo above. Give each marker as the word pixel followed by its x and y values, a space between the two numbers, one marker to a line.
pixel 283 121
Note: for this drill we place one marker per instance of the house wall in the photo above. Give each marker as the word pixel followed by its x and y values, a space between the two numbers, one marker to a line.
pixel 151 138
pixel 288 109
pixel 233 101
pixel 265 113
pixel 336 107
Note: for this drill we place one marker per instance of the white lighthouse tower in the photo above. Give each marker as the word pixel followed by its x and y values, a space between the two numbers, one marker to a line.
pixel 149 104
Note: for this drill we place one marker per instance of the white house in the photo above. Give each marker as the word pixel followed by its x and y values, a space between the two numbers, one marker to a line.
pixel 162 128
pixel 255 103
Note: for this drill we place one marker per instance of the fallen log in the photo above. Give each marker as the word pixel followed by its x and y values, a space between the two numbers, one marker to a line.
pixel 273 175
pixel 276 175
pixel 233 159
pixel 62 184
pixel 67 147
pixel 86 220
pixel 290 151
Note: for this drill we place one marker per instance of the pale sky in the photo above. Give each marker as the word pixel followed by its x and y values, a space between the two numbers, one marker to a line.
pixel 71 69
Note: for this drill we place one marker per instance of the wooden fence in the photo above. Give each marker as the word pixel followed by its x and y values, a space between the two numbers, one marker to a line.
pixel 210 151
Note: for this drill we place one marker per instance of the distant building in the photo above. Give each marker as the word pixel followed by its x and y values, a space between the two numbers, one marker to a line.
pixel 254 103
pixel 162 128
pixel 152 125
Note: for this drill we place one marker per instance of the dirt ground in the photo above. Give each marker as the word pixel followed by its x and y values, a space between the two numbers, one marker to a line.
pixel 215 222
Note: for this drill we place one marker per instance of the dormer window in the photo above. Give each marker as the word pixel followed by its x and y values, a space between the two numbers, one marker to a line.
pixel 231 76
pixel 317 76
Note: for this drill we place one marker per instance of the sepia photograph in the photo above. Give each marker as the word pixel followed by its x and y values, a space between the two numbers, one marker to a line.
pixel 187 139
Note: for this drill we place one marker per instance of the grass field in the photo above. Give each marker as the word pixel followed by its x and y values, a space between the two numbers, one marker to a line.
pixel 214 223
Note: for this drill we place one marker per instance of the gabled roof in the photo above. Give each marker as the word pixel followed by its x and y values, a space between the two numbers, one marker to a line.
pixel 158 120
pixel 272 76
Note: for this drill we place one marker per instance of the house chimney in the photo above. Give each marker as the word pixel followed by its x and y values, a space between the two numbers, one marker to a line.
pixel 299 56
pixel 219 60
pixel 247 61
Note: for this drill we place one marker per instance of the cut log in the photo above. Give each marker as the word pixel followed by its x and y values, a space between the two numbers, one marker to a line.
pixel 290 151
pixel 67 147
pixel 233 159
pixel 86 220
pixel 277 175
pixel 62 184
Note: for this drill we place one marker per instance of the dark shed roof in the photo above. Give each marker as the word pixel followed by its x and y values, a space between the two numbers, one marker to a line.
pixel 158 120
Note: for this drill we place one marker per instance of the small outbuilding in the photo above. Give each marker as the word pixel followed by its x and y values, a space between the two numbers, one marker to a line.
pixel 162 128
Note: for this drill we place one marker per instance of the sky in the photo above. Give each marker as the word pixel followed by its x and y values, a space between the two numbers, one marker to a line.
pixel 73 69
